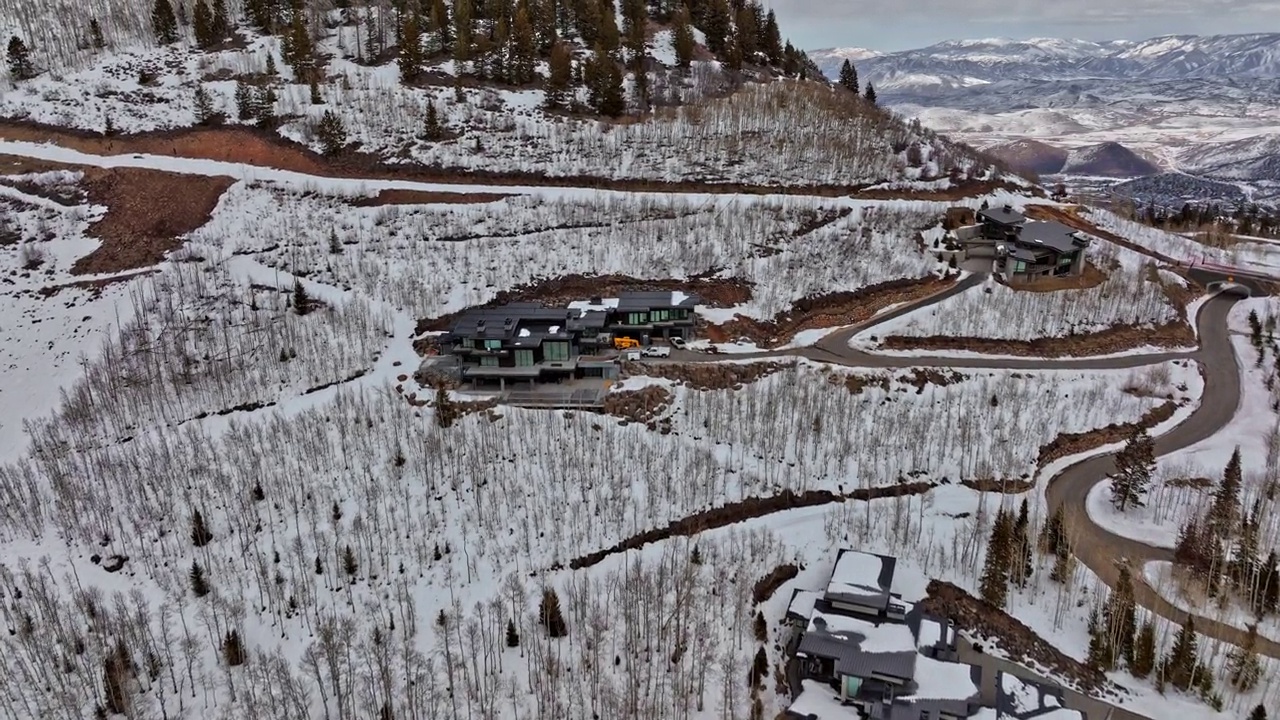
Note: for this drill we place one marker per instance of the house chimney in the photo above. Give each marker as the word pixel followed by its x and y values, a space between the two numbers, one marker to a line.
pixel 1008 208
pixel 480 325
pixel 597 300
pixel 507 323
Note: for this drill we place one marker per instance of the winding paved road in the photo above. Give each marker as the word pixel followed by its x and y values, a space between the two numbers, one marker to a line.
pixel 1100 550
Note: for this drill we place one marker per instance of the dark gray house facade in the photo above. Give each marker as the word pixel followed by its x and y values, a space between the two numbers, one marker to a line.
pixel 530 342
pixel 1030 250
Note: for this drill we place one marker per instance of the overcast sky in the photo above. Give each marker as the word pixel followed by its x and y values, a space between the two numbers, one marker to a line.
pixel 903 24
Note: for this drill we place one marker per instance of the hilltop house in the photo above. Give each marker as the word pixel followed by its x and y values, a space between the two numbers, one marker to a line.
pixel 861 653
pixel 1024 251
pixel 531 342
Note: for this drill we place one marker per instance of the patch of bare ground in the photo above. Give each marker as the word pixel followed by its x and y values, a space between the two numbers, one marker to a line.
pixel 919 378
pixel 147 211
pixel 715 292
pixel 1195 483
pixel 748 509
pixel 94 287
pixel 1020 642
pixel 958 191
pixel 766 586
pixel 253 146
pixel 832 310
pixel 424 197
pixel 1006 486
pixel 1118 338
pixel 641 406
pixel 856 383
pixel 1068 444
pixel 709 376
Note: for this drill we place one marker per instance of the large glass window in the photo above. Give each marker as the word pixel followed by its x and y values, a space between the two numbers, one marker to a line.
pixel 637 318
pixel 524 358
pixel 660 315
pixel 489 361
pixel 679 314
pixel 1066 260
pixel 468 343
pixel 1019 266
pixel 555 351
pixel 492 344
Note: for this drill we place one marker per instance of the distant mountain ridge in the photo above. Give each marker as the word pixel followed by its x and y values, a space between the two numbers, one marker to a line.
pixel 961 63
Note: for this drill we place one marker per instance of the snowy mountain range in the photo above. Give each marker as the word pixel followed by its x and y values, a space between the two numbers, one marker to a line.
pixel 1202 104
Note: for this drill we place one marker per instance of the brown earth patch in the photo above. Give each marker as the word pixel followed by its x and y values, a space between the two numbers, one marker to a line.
pixel 95 287
pixel 748 509
pixel 958 191
pixel 1022 644
pixel 921 377
pixel 710 376
pixel 1007 486
pixel 146 212
pixel 855 384
pixel 1068 444
pixel 424 197
pixel 642 406
pixel 766 586
pixel 1195 483
pixel 1115 339
pixel 253 146
pixel 833 309
pixel 715 292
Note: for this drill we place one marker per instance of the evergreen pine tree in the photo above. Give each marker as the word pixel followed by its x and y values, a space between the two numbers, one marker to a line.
pixel 1179 668
pixel 747 32
pixel 994 585
pixel 200 535
pixel 203 25
pixel 604 84
pixel 1259 713
pixel 714 21
pixel 849 78
pixel 549 615
pixel 1224 511
pixel 95 34
pixel 302 303
pixel 771 39
pixel 560 76
pixel 682 40
pixel 1243 566
pixel 1053 535
pixel 314 88
pixel 461 34
pixel 232 649
pixel 1101 656
pixel 163 23
pixel 432 129
pixel 20 59
pixel 221 21
pixel 410 49
pixel 264 106
pixel 245 109
pixel 1144 651
pixel 445 415
pixel 349 564
pixel 610 37
pixel 1121 619
pixel 1135 463
pixel 513 637
pixel 331 133
pixel 1267 594
pixel 524 52
pixel 1020 570
pixel 635 17
pixel 299 50
pixel 442 22
pixel 870 95
pixel 1243 666
pixel 271 69
pixel 199 585
pixel 203 106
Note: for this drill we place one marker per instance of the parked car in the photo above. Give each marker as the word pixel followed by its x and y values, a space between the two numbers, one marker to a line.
pixel 656 351
pixel 678 343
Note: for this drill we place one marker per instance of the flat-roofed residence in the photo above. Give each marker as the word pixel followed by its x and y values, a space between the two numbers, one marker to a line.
pixel 1024 251
pixel 531 343
pixel 859 652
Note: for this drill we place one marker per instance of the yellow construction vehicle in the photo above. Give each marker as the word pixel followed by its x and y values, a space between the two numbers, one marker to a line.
pixel 625 343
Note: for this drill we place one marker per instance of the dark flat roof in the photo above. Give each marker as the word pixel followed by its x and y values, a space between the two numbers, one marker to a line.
pixel 523 315
pixel 1002 215
pixel 1050 234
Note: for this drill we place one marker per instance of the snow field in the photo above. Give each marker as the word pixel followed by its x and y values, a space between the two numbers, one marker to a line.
pixel 1129 296
pixel 430 260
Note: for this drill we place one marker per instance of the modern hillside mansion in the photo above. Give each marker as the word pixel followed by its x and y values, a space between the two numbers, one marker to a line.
pixel 859 652
pixel 1024 251
pixel 531 342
